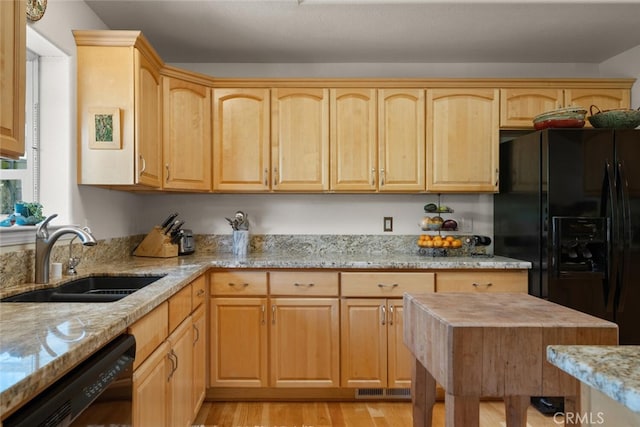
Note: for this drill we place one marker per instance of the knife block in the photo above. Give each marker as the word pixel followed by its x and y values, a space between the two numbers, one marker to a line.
pixel 156 244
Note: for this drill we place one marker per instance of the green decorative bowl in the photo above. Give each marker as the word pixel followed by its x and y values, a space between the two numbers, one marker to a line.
pixel 614 119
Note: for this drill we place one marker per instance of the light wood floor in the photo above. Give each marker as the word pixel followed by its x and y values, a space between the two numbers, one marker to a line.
pixel 342 414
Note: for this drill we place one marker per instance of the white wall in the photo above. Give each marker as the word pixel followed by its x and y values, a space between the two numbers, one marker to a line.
pixel 317 213
pixel 390 70
pixel 626 64
pixel 105 211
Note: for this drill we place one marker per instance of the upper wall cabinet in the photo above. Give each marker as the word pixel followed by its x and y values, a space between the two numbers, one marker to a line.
pixel 241 139
pixel 186 135
pixel 119 109
pixel 462 140
pixel 13 52
pixel 300 139
pixel 520 105
pixel 401 140
pixel 353 139
pixel 603 99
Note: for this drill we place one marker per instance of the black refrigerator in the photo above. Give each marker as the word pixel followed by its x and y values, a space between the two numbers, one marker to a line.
pixel 569 202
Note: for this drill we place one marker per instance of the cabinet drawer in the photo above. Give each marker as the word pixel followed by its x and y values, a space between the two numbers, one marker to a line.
pixel 179 307
pixel 150 332
pixel 394 284
pixel 482 281
pixel 304 283
pixel 198 291
pixel 238 283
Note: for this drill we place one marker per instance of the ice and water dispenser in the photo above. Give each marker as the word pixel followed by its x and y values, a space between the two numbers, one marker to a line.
pixel 580 245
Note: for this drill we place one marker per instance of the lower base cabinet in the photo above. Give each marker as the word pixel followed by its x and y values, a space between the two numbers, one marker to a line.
pixel 199 388
pixel 169 371
pixel 150 400
pixel 305 343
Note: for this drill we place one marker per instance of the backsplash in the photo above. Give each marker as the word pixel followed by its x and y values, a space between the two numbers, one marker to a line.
pixel 17 267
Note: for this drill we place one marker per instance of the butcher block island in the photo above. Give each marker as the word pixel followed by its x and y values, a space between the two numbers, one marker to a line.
pixel 492 345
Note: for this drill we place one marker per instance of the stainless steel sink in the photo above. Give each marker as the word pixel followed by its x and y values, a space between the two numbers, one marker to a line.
pixel 88 289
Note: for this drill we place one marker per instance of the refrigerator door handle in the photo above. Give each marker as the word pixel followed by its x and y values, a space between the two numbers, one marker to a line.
pixel 625 236
pixel 609 199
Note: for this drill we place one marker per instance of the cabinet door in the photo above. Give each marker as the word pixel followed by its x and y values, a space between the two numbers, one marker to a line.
pixel 150 401
pixel 238 342
pixel 401 139
pixel 186 135
pixel 199 324
pixel 181 375
pixel 241 126
pixel 363 343
pixel 305 342
pixel 399 356
pixel 353 143
pixel 604 99
pixel 13 51
pixel 462 140
pixel 519 106
pixel 300 139
pixel 148 125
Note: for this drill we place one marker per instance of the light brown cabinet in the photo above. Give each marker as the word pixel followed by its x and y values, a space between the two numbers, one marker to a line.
pixel 150 399
pixel 169 369
pixel 377 140
pixel 186 135
pixel 241 139
pixel 288 338
pixel 299 139
pixel 239 335
pixel 199 387
pixel 373 353
pixel 401 140
pixel 353 139
pixel 482 281
pixel 13 51
pixel 462 140
pixel 519 106
pixel 118 76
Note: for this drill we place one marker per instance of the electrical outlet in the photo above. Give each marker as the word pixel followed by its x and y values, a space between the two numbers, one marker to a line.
pixel 387 224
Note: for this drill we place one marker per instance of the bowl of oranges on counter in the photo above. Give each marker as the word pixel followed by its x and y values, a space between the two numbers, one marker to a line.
pixel 437 245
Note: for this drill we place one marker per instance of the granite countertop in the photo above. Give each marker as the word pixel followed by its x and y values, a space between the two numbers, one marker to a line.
pixel 40 342
pixel 612 370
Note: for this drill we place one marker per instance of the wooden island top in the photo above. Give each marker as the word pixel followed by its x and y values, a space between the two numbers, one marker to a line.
pixel 492 345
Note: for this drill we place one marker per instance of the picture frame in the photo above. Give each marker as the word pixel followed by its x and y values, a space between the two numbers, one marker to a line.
pixel 104 129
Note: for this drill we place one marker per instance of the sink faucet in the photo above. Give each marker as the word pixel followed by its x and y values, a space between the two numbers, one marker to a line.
pixel 45 242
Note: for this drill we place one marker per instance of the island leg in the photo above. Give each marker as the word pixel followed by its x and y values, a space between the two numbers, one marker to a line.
pixel 461 411
pixel 516 410
pixel 423 387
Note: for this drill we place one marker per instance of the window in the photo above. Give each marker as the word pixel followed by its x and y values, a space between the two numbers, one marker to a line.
pixel 19 180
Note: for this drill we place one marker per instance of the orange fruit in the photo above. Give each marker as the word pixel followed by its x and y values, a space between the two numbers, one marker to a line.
pixel 429 243
pixel 437 243
pixel 446 244
pixel 449 238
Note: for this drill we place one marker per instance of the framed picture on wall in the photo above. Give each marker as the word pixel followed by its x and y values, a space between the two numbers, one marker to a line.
pixel 104 129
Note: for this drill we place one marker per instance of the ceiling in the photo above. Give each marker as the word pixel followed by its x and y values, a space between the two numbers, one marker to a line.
pixel 379 31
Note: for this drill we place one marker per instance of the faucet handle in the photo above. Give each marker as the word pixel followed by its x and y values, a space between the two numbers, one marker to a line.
pixel 42 232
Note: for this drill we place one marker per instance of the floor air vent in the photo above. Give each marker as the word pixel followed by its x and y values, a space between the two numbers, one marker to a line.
pixel 383 393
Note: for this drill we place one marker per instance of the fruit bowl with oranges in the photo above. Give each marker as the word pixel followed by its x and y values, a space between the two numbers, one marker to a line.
pixel 437 245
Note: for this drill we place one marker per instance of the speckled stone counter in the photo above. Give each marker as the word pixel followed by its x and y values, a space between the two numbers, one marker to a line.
pixel 40 342
pixel 612 370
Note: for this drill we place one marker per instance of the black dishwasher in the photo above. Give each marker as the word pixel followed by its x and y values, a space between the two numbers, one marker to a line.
pixel 99 387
